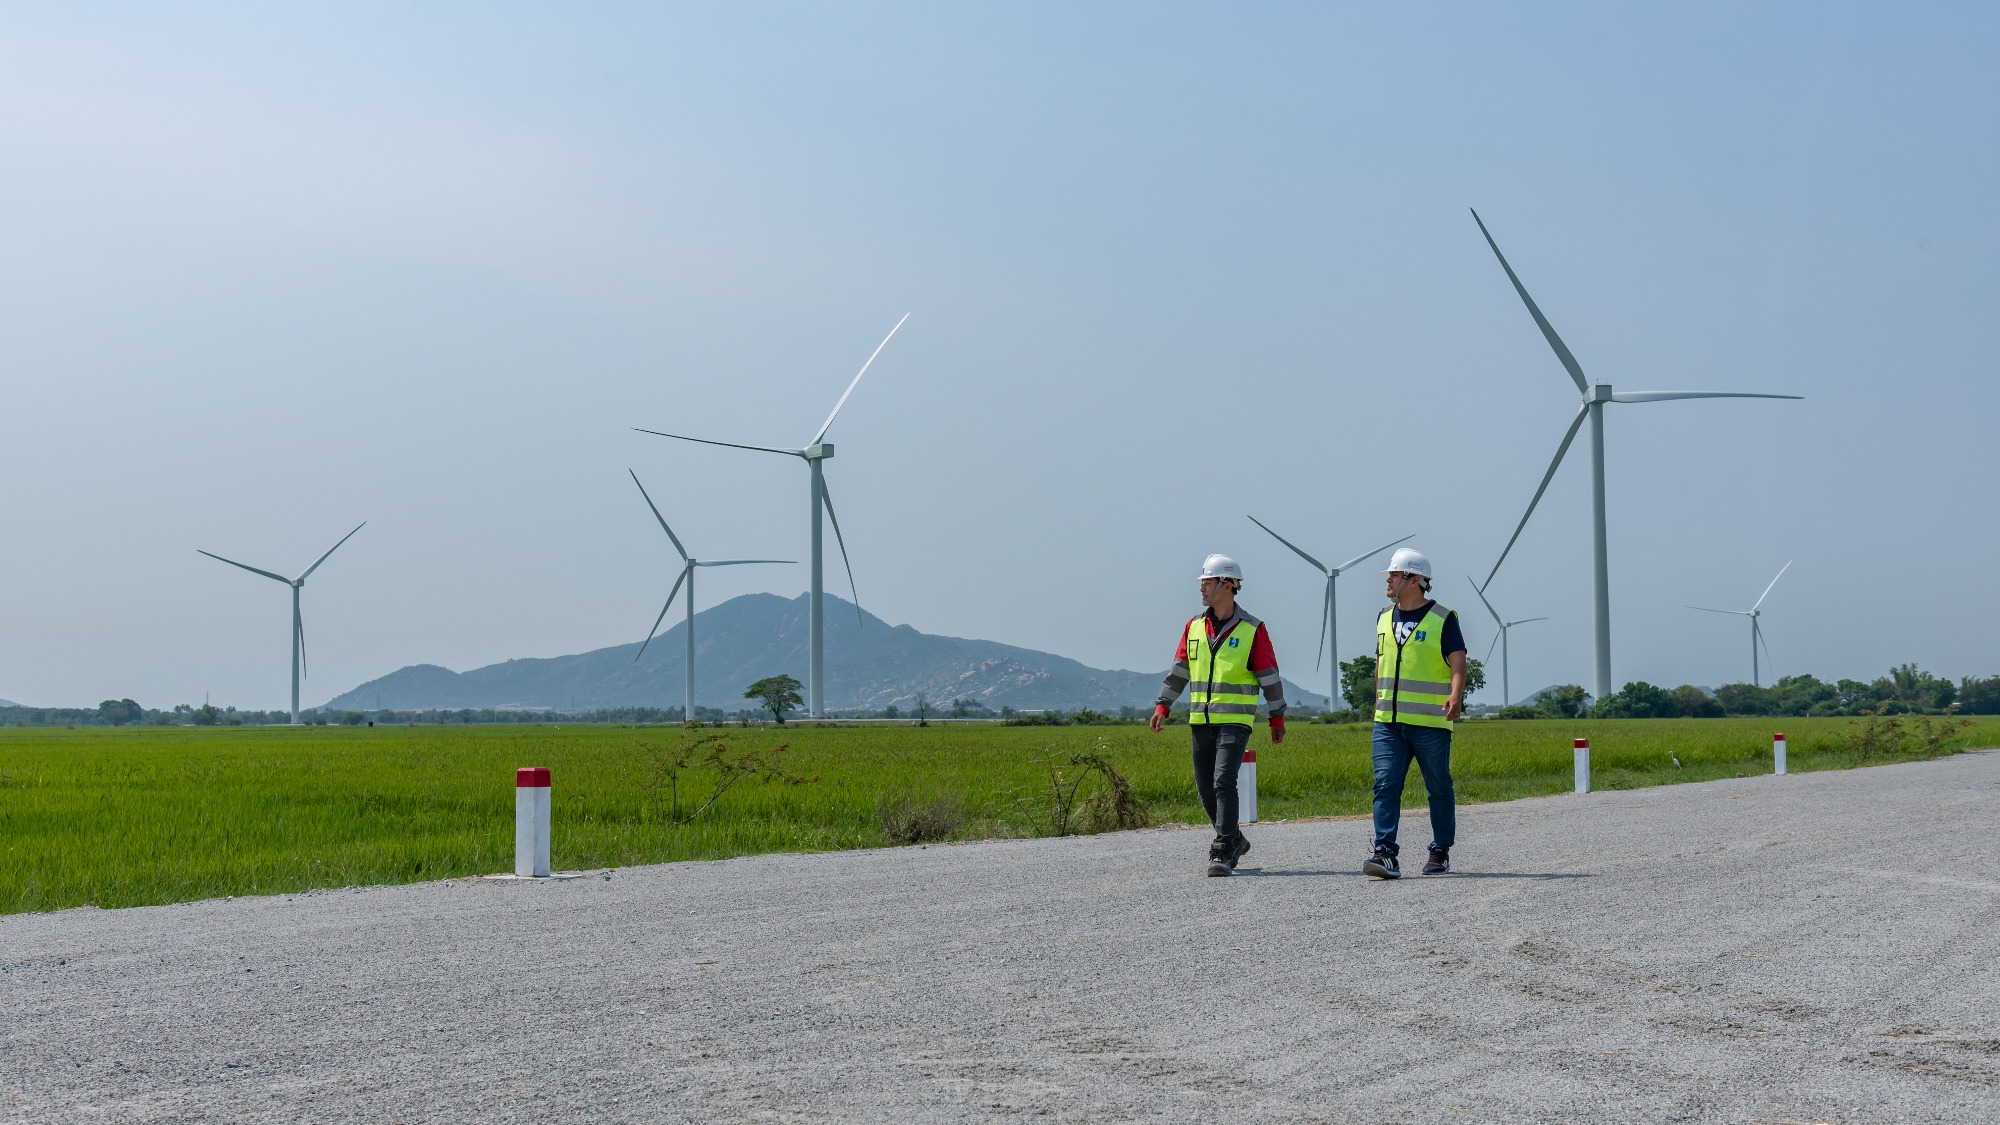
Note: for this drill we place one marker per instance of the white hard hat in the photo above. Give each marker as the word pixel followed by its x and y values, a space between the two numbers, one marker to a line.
pixel 1221 566
pixel 1409 561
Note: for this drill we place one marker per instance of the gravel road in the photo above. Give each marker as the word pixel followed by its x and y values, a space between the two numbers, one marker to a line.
pixel 1813 948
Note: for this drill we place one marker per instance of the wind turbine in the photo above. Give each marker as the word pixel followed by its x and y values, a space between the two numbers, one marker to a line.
pixel 1329 632
pixel 687 576
pixel 298 622
pixel 814 453
pixel 1506 692
pixel 1594 398
pixel 1756 632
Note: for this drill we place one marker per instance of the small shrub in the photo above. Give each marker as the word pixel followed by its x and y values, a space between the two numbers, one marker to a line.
pixel 907 819
pixel 1084 795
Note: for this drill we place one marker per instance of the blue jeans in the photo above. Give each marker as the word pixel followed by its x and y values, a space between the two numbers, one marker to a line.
pixel 1394 746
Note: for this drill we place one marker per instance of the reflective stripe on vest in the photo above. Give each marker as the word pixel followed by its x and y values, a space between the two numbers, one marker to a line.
pixel 1222 688
pixel 1413 679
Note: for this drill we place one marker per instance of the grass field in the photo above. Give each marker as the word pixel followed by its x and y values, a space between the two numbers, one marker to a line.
pixel 133 816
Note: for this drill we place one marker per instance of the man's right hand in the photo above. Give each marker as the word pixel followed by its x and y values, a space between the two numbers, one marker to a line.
pixel 1159 718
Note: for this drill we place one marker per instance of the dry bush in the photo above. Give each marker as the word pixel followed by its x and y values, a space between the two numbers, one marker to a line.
pixel 908 819
pixel 1084 795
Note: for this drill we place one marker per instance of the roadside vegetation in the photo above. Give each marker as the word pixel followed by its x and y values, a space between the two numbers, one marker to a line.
pixel 136 815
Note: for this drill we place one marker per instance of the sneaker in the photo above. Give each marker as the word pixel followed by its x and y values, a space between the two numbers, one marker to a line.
pixel 1439 862
pixel 1221 860
pixel 1382 865
pixel 1242 849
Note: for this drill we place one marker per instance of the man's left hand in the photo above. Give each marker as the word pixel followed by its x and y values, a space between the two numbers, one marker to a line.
pixel 1454 706
pixel 1277 729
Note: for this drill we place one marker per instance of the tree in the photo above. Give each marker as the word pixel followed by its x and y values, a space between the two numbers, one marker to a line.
pixel 1475 675
pixel 961 707
pixel 118 712
pixel 1979 696
pixel 1568 701
pixel 206 716
pixel 1357 682
pixel 1690 702
pixel 779 693
pixel 923 708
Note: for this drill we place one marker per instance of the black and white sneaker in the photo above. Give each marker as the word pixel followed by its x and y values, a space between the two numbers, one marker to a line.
pixel 1382 865
pixel 1439 862
pixel 1242 849
pixel 1221 860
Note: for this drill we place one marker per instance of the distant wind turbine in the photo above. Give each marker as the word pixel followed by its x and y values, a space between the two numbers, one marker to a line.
pixel 298 621
pixel 1594 398
pixel 1506 693
pixel 687 575
pixel 815 452
pixel 1329 633
pixel 1756 632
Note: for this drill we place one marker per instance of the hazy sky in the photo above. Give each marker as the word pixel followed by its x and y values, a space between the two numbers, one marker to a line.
pixel 274 270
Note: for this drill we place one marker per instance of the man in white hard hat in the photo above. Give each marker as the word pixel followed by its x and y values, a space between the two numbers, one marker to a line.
pixel 1419 690
pixel 1225 657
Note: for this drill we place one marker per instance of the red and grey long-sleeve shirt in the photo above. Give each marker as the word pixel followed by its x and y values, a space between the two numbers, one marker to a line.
pixel 1263 661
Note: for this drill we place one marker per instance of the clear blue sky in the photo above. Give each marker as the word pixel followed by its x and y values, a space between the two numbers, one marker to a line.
pixel 271 271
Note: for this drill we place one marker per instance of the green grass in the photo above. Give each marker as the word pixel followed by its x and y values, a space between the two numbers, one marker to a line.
pixel 134 816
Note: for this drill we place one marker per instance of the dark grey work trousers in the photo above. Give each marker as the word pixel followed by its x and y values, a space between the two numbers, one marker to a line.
pixel 1218 755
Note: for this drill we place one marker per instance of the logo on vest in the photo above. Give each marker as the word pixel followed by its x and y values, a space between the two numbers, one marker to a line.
pixel 1420 634
pixel 1233 640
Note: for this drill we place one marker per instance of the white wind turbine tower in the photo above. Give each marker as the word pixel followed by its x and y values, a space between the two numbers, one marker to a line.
pixel 1756 632
pixel 815 452
pixel 1594 398
pixel 1329 633
pixel 1506 691
pixel 298 622
pixel 687 575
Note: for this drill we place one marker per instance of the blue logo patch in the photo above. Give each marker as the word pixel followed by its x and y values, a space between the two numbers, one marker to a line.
pixel 1233 640
pixel 1420 634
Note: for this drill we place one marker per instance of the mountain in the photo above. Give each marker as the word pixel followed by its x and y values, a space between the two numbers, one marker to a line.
pixel 869 664
pixel 8 703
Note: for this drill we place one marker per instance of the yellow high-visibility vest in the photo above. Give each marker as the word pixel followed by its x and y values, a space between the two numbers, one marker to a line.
pixel 1221 686
pixel 1413 679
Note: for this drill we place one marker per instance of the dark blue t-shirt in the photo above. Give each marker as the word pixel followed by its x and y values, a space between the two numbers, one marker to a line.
pixel 1406 621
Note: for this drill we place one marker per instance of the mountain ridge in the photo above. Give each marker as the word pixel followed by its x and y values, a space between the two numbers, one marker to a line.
pixel 870 665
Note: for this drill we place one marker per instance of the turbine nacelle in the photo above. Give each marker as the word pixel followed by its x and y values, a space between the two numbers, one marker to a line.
pixel 817 452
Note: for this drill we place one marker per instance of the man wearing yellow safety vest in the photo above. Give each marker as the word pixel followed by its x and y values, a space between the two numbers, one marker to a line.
pixel 1225 658
pixel 1419 690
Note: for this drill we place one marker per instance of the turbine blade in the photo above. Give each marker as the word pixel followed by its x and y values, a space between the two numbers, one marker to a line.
pixel 1524 621
pixel 1663 396
pixel 1705 609
pixel 826 498
pixel 1325 617
pixel 1544 487
pixel 1317 565
pixel 741 562
pixel 1562 350
pixel 1350 562
pixel 729 444
pixel 1767 589
pixel 1487 604
pixel 245 566
pixel 1767 647
pixel 331 550
pixel 299 626
pixel 1490 646
pixel 671 595
pixel 857 382
pixel 661 518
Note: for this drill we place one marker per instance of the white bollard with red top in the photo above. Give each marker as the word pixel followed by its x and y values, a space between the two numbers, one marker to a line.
pixel 1583 765
pixel 1246 789
pixel 531 822
pixel 1778 751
